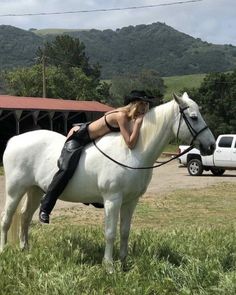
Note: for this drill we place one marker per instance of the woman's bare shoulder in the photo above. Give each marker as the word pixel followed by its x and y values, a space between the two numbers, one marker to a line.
pixel 118 115
pixel 122 115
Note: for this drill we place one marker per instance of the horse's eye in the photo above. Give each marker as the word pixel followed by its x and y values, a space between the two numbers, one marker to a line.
pixel 194 116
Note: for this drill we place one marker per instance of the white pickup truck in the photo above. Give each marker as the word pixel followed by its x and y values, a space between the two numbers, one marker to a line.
pixel 223 158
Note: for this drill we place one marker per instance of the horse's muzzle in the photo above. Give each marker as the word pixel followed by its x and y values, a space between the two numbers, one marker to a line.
pixel 209 151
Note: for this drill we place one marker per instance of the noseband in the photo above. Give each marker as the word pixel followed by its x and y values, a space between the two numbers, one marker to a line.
pixel 193 132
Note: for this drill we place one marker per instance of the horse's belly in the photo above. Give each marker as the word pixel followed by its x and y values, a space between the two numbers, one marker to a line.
pixel 93 182
pixel 81 191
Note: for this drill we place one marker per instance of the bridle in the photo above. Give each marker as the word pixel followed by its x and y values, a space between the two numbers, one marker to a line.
pixel 193 132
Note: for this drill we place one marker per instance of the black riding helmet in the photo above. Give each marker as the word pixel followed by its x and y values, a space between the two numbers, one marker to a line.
pixel 138 95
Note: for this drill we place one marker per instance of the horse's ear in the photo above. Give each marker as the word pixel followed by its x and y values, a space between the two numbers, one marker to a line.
pixel 177 98
pixel 185 95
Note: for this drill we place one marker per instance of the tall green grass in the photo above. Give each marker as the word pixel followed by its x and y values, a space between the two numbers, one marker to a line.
pixel 67 260
pixel 183 242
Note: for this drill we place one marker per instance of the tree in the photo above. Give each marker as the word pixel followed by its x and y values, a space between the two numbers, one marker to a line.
pixel 147 80
pixel 24 81
pixel 76 85
pixel 68 74
pixel 217 97
pixel 67 52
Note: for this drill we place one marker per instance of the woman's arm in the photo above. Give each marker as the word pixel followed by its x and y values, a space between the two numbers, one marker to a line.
pixel 130 136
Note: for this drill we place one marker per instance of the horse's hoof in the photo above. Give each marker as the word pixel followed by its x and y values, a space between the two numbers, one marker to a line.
pixel 109 267
pixel 24 247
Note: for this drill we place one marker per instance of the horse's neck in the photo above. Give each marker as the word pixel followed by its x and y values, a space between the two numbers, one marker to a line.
pixel 157 131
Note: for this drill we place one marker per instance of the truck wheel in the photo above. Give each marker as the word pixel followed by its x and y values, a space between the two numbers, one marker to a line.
pixel 217 171
pixel 195 167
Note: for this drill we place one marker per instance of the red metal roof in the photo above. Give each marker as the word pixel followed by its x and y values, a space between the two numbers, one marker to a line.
pixel 37 103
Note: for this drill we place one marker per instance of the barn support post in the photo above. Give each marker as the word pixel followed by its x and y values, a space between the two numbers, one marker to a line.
pixel 65 117
pixel 35 117
pixel 51 114
pixel 18 114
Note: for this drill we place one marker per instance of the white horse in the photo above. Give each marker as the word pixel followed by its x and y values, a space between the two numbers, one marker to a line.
pixel 30 161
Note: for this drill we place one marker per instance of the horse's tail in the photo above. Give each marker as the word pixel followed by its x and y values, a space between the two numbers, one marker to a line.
pixel 15 188
pixel 14 230
pixel 22 217
pixel 11 217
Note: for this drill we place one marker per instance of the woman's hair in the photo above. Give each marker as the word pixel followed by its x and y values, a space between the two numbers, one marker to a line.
pixel 131 109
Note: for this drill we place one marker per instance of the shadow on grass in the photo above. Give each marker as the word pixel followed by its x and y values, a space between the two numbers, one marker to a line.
pixel 82 247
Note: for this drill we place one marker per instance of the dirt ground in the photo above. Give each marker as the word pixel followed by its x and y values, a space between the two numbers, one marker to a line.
pixel 167 178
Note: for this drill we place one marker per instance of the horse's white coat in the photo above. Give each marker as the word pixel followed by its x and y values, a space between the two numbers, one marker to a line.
pixel 30 162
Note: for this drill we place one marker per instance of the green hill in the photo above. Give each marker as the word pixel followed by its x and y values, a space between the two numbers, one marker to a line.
pixel 156 46
pixel 17 47
pixel 130 49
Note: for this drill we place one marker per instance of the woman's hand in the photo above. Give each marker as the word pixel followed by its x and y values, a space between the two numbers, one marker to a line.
pixel 139 119
pixel 72 130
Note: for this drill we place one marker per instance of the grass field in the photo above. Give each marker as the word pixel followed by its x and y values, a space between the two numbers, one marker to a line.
pixel 183 242
pixel 171 148
pixel 43 32
pixel 1 170
pixel 177 83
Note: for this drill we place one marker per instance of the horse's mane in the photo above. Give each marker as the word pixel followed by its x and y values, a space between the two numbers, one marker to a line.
pixel 154 121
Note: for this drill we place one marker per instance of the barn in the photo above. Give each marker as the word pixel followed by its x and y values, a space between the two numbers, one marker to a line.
pixel 22 114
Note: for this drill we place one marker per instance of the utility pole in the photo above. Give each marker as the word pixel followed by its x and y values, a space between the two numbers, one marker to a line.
pixel 44 75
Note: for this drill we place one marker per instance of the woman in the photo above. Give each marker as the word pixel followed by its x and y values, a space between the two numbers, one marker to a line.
pixel 136 105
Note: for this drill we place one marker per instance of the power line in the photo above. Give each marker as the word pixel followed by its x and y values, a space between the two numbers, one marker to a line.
pixel 100 10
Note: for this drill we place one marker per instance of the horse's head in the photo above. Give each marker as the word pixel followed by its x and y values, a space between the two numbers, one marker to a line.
pixel 191 127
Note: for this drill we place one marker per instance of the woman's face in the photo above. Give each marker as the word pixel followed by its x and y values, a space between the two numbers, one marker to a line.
pixel 142 108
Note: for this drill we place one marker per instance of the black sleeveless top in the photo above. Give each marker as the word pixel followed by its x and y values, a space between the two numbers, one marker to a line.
pixel 112 128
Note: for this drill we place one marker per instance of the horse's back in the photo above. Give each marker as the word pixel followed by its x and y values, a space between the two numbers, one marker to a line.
pixel 32 136
pixel 31 142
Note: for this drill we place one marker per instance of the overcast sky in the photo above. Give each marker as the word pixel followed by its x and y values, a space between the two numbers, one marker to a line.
pixel 211 20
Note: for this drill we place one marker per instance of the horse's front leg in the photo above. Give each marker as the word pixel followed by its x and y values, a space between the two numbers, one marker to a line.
pixel 112 208
pixel 126 213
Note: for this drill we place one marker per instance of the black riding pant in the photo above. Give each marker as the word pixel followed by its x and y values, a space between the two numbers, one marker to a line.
pixel 67 164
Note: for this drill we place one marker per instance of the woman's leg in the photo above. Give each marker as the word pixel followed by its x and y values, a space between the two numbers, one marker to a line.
pixel 67 164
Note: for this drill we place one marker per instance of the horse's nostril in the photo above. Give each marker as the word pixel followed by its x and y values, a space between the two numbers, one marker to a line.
pixel 211 149
pixel 213 146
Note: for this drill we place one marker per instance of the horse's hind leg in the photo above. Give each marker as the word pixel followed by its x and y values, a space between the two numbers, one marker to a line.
pixel 32 202
pixel 13 197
